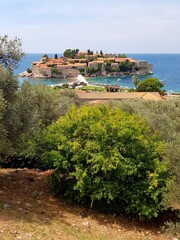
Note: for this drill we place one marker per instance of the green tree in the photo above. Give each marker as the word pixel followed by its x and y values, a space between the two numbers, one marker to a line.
pixel 70 53
pixel 54 70
pixel 122 56
pixel 45 56
pixel 108 158
pixel 162 116
pixel 125 66
pixel 77 50
pixel 37 106
pixel 56 56
pixel 150 85
pixel 10 55
pixel 135 81
pixel 89 52
pixel 10 52
pixel 5 145
pixel 67 52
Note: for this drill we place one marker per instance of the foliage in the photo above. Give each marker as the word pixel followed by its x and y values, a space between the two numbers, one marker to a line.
pixel 10 52
pixel 8 84
pixel 125 66
pixel 93 88
pixel 107 157
pixel 108 67
pixel 122 56
pixel 162 116
pixel 82 71
pixel 92 70
pixel 37 106
pixel 172 229
pixel 54 70
pixel 10 55
pixel 150 85
pixel 89 52
pixel 5 145
pixel 71 53
pixel 45 56
pixel 135 81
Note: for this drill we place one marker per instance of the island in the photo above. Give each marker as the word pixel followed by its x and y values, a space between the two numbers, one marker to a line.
pixel 88 64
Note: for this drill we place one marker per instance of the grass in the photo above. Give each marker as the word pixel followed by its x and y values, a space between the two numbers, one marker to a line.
pixel 93 88
pixel 29 211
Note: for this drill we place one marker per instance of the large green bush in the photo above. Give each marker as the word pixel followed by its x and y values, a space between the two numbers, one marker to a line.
pixel 108 158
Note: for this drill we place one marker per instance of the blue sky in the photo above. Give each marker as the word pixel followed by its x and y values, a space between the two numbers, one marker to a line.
pixel 121 26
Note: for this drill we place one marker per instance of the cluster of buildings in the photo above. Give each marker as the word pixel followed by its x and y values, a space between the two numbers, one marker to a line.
pixel 82 63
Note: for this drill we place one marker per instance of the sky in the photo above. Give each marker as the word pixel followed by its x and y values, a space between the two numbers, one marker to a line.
pixel 114 26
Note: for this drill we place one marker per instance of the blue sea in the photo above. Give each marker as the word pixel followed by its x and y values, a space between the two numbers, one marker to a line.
pixel 166 67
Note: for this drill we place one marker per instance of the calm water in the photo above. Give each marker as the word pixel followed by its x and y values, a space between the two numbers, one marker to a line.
pixel 166 68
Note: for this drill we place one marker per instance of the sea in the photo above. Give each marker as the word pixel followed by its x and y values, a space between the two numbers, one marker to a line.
pixel 166 67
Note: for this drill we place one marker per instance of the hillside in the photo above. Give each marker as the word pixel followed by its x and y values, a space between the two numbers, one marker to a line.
pixel 29 211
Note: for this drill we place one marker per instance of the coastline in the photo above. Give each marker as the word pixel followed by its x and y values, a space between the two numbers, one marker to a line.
pixel 166 67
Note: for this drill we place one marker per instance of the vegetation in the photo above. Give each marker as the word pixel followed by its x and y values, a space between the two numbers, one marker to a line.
pixel 89 52
pixel 24 111
pixel 122 55
pixel 10 52
pixel 135 81
pixel 162 116
pixel 150 85
pixel 71 53
pixel 108 158
pixel 93 88
pixel 54 70
pixel 45 56
pixel 125 66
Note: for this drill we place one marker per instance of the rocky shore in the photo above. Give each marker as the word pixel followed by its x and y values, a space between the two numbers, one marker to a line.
pixel 26 74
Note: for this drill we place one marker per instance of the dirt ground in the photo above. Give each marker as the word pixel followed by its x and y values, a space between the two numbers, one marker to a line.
pixel 28 210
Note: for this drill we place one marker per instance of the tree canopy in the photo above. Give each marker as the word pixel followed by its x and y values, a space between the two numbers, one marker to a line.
pixel 10 52
pixel 150 85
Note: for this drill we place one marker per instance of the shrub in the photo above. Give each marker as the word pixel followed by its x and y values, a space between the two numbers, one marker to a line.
pixel 162 116
pixel 107 158
pixel 54 70
pixel 150 85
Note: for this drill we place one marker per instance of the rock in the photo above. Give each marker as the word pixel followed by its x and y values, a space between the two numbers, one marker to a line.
pixel 5 205
pixel 28 205
pixel 86 224
pixel 29 234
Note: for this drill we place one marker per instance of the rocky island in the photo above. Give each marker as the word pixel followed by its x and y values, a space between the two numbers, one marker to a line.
pixel 88 64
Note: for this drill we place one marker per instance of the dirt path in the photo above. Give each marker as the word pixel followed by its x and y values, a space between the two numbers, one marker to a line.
pixel 29 211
